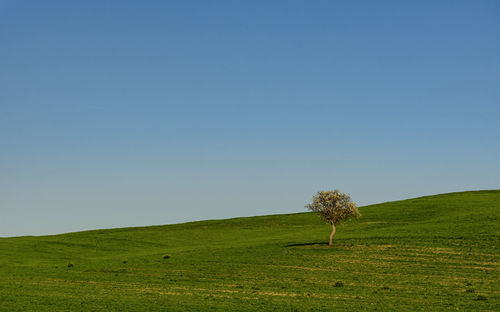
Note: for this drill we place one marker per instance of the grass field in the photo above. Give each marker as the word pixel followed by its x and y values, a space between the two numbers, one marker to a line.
pixel 431 253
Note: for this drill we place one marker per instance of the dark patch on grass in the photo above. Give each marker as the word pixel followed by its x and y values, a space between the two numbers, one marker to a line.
pixel 470 290
pixel 166 257
pixel 385 288
pixel 338 284
pixel 113 271
pixel 481 298
pixel 70 265
pixel 124 261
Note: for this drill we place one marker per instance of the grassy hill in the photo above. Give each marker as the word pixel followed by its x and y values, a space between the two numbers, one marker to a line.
pixel 430 253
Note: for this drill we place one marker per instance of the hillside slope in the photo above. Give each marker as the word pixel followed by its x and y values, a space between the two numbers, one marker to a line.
pixel 437 252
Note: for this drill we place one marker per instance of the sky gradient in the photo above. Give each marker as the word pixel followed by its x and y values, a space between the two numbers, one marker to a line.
pixel 133 113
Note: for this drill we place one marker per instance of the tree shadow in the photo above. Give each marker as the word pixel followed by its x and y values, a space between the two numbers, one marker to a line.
pixel 308 244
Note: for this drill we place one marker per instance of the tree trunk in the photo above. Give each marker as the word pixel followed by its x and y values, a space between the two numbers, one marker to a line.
pixel 331 235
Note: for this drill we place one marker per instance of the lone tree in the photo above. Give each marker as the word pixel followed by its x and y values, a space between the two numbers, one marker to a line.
pixel 333 207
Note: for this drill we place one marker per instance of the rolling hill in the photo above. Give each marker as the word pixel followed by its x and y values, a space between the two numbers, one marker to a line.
pixel 431 253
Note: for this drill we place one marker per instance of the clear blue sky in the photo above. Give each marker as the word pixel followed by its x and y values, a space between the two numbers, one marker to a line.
pixel 136 113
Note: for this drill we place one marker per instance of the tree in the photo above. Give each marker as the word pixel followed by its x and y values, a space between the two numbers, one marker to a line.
pixel 333 207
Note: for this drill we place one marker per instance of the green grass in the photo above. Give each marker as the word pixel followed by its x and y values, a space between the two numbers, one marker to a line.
pixel 430 253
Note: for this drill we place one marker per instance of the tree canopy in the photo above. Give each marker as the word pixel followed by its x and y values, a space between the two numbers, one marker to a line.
pixel 333 206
